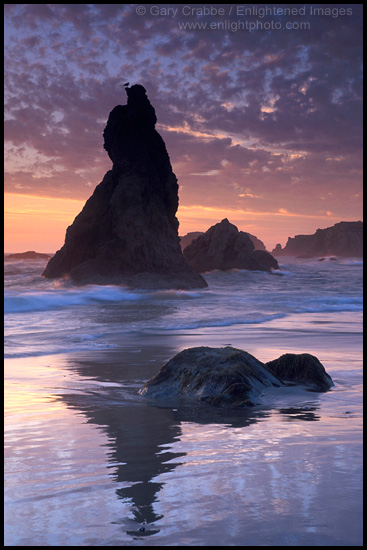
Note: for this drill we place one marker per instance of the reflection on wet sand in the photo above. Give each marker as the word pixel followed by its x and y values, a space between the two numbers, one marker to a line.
pixel 139 434
pixel 95 452
pixel 300 413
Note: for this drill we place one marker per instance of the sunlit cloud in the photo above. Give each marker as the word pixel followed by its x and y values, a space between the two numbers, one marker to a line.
pixel 266 123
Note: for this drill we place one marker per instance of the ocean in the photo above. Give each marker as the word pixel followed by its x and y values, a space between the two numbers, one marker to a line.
pixel 88 460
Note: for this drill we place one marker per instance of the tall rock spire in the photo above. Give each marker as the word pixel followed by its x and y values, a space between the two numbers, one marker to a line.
pixel 127 232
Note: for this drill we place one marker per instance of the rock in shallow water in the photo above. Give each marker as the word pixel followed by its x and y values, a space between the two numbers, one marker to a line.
pixel 302 369
pixel 219 376
pixel 224 247
pixel 229 376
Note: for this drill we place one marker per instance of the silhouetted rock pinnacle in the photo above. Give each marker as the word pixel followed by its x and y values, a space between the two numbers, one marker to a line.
pixel 127 232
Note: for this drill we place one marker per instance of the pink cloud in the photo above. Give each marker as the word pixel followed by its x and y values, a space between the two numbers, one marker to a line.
pixel 279 113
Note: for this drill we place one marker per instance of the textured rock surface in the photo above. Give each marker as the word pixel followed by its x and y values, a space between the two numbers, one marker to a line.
pixel 343 239
pixel 218 376
pixel 127 232
pixel 303 369
pixel 231 377
pixel 224 247
pixel 265 259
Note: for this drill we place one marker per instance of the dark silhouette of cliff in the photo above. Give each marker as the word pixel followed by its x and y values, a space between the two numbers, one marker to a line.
pixel 189 237
pixel 224 247
pixel 127 232
pixel 343 239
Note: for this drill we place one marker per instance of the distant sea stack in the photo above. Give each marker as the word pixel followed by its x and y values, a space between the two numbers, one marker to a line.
pixel 224 247
pixel 343 239
pixel 127 232
pixel 189 237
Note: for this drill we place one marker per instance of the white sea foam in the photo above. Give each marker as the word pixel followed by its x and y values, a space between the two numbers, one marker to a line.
pixel 75 410
pixel 352 262
pixel 43 316
pixel 331 304
pixel 250 319
pixel 15 302
pixel 62 296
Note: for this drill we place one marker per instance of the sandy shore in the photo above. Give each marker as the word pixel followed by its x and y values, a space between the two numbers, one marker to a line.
pixel 84 451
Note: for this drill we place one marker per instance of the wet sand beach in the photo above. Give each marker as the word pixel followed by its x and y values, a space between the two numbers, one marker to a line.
pixel 87 459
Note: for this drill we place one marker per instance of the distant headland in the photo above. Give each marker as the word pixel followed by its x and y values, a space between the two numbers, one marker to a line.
pixel 29 255
pixel 344 239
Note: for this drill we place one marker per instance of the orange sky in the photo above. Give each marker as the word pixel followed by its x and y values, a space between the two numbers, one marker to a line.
pixel 39 223
pixel 263 128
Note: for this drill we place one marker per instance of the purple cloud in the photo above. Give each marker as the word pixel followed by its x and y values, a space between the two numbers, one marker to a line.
pixel 270 119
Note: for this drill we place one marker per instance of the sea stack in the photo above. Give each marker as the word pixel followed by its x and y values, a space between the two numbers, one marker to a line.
pixel 127 232
pixel 224 247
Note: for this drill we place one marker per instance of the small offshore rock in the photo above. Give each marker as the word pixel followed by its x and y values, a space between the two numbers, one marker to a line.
pixel 231 377
pixel 218 376
pixel 224 247
pixel 301 368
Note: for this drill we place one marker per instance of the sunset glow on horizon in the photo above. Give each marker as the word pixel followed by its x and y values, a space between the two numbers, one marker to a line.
pixel 40 223
pixel 262 128
pixel 37 223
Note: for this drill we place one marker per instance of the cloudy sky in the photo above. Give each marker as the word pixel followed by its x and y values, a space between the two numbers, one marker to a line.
pixel 260 112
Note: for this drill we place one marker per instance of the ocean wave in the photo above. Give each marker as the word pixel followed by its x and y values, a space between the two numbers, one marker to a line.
pixel 351 262
pixel 331 305
pixel 282 271
pixel 18 302
pixel 175 294
pixel 18 354
pixel 63 297
pixel 250 319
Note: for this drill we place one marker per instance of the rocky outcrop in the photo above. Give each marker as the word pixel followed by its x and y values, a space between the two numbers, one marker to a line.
pixel 277 251
pixel 230 377
pixel 344 239
pixel 265 259
pixel 189 237
pixel 29 255
pixel 127 232
pixel 224 247
pixel 302 369
pixel 218 376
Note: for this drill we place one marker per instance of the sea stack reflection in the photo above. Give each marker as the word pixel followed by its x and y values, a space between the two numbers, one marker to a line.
pixel 127 232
